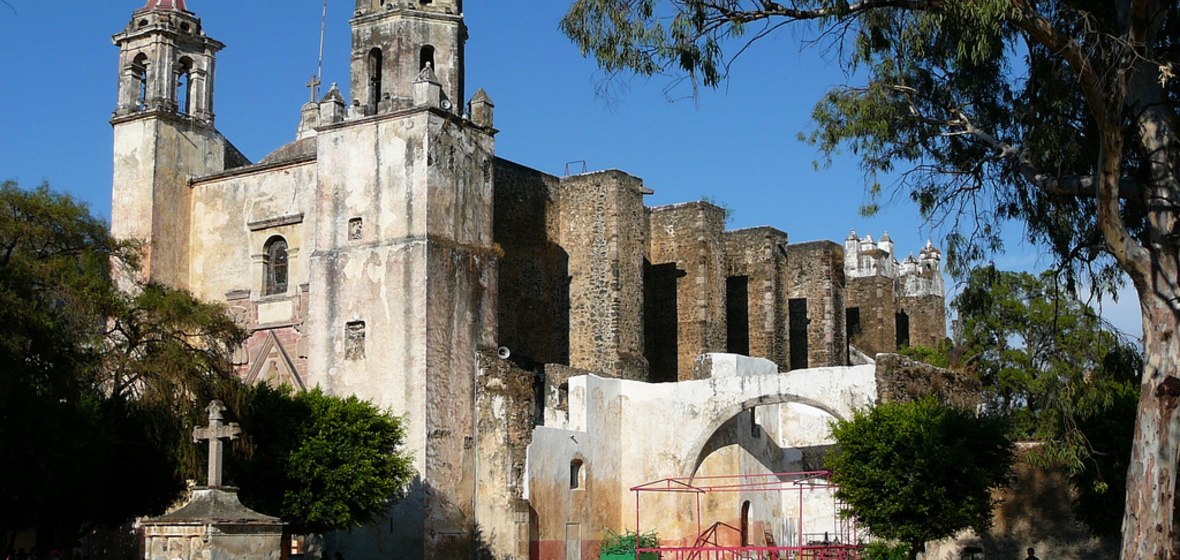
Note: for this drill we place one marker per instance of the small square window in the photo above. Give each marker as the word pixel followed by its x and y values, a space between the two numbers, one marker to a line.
pixel 356 229
pixel 354 341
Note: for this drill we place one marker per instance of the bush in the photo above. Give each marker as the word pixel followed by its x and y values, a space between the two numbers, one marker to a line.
pixel 885 551
pixel 626 543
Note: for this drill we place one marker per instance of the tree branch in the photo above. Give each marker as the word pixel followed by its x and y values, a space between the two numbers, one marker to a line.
pixel 1084 186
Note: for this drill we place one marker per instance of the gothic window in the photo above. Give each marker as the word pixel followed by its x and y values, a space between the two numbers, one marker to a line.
pixel 426 57
pixel 139 80
pixel 354 341
pixel 274 258
pixel 376 67
pixel 184 86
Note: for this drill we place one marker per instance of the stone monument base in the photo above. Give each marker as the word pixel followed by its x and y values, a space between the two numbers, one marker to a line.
pixel 213 525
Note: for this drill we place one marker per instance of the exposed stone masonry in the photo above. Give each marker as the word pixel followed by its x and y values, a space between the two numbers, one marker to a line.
pixel 410 252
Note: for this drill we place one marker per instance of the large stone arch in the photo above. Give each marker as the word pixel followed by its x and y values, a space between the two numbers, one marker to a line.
pixel 726 413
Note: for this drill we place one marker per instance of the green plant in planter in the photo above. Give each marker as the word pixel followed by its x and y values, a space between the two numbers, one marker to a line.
pixel 622 547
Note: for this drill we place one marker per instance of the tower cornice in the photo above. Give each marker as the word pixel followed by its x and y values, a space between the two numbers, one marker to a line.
pixel 403 12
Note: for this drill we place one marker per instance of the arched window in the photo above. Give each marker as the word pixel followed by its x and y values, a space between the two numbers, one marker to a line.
pixel 274 258
pixel 745 522
pixel 375 67
pixel 184 85
pixel 139 80
pixel 427 57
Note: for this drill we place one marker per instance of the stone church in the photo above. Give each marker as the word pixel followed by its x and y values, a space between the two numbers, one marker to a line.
pixel 387 252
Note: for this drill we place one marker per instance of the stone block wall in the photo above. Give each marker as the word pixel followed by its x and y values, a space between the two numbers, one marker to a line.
pixel 900 379
pixel 759 256
pixel 505 404
pixel 1032 511
pixel 603 226
pixel 815 274
pixel 873 298
pixel 534 284
pixel 927 318
pixel 686 241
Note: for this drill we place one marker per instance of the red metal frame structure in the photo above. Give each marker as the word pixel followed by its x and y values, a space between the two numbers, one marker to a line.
pixel 842 546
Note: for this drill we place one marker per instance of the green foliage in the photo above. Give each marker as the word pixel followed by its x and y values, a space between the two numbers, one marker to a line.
pixel 975 103
pixel 98 383
pixel 1059 114
pixel 1102 484
pixel 320 462
pixel 937 357
pixel 1046 360
pixel 919 471
pixel 627 542
pixel 884 551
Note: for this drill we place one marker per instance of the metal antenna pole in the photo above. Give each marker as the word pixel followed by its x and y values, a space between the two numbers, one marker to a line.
pixel 320 69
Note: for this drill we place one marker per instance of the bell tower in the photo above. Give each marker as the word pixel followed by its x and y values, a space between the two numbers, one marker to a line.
pixel 163 133
pixel 392 43
pixel 166 63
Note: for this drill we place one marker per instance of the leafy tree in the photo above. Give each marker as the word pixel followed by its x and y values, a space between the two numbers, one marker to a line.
pixel 1045 358
pixel 1061 114
pixel 320 462
pixel 919 471
pixel 73 428
pixel 1060 375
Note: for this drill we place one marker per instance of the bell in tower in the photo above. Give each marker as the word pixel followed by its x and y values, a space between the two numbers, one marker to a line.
pixel 392 43
pixel 166 63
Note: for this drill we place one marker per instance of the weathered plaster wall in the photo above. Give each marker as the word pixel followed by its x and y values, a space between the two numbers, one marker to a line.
pixel 419 283
pixel 603 230
pixel 690 428
pixel 815 272
pixel 533 314
pixel 155 157
pixel 760 254
pixel 235 214
pixel 686 238
pixel 504 403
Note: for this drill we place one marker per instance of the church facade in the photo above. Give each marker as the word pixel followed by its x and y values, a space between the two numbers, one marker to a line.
pixel 387 252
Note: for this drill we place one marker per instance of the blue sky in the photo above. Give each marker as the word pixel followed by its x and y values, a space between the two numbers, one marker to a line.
pixel 737 145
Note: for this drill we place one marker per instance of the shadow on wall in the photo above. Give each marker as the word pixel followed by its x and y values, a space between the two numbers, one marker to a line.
pixel 401 533
pixel 764 449
pixel 1033 511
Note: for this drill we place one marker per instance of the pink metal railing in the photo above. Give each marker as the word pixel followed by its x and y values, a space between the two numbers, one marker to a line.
pixel 706 546
pixel 828 552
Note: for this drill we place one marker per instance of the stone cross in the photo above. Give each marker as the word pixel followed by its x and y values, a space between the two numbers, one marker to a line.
pixel 215 433
pixel 313 84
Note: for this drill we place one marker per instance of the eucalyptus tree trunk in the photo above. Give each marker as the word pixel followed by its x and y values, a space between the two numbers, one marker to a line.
pixel 1154 268
pixel 1151 480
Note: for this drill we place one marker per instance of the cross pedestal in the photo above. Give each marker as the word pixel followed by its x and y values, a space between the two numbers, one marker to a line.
pixel 215 433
